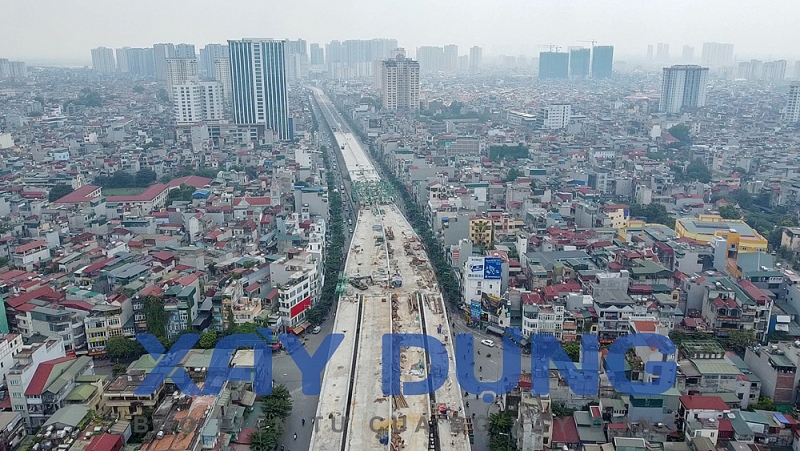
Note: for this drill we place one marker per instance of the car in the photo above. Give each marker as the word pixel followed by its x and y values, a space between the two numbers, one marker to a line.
pixel 488 343
pixel 351 231
pixel 316 330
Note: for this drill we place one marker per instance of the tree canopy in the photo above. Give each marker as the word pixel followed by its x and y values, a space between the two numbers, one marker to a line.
pixel 681 133
pixel 59 191
pixel 653 213
pixel 120 347
pixel 729 212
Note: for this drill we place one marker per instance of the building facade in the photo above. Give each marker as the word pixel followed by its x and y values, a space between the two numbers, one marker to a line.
pixel 400 84
pixel 602 61
pixel 683 87
pixel 103 60
pixel 258 84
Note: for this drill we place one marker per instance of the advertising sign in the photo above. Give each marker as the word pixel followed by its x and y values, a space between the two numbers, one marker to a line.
pixel 475 268
pixel 493 268
pixel 475 310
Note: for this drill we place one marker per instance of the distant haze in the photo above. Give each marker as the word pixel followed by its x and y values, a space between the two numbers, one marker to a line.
pixel 64 31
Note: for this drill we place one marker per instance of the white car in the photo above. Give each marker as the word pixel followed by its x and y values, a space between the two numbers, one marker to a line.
pixel 488 343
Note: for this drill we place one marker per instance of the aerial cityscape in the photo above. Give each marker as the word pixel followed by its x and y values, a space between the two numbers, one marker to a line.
pixel 182 222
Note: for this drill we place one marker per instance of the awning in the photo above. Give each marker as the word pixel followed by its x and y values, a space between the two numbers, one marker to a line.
pixel 297 330
pixel 495 330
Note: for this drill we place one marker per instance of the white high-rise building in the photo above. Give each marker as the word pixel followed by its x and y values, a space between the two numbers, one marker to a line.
pixel 160 54
pixel 258 84
pixel 555 116
pixel 195 101
pixel 451 58
pixel 400 84
pixel 185 51
pixel 179 71
pixel 222 73
pixel 797 70
pixel 103 60
pixel 122 59
pixel 662 52
pixel 792 113
pixel 683 87
pixel 774 70
pixel 716 54
pixel 475 54
pixel 207 56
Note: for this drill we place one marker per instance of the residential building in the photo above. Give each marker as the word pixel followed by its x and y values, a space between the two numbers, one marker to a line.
pixel 222 73
pixel 739 236
pixel 12 430
pixel 121 399
pixel 776 366
pixel 51 385
pixel 195 101
pixel 258 84
pixel 554 116
pixel 317 55
pixel 792 112
pixel 683 87
pixel 26 363
pixel 105 321
pixel 450 58
pixel 716 55
pixel 103 60
pixel 553 65
pixel 662 52
pixel 687 56
pixel 699 408
pixel 299 285
pixel 602 61
pixel 400 84
pixel 207 56
pixel 38 317
pixel 579 62
pixel 431 59
pixel 160 54
pixel 179 71
pixel 475 56
pixel 28 255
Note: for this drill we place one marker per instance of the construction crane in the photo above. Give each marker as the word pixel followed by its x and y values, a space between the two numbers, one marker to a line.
pixel 592 41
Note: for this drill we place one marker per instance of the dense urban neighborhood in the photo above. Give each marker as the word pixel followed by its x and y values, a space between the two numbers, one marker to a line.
pixel 273 189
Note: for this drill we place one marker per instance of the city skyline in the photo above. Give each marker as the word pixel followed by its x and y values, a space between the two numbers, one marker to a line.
pixel 494 27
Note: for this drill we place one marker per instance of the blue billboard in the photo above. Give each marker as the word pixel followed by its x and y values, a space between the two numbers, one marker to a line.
pixel 475 310
pixel 493 269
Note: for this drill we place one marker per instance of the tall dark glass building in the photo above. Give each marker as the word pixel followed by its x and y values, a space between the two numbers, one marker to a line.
pixel 553 65
pixel 602 59
pixel 258 84
pixel 579 62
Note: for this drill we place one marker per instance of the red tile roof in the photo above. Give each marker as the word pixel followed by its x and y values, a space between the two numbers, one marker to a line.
pixel 79 195
pixel 39 381
pixel 565 430
pixel 192 180
pixel 147 195
pixel 45 293
pixel 30 246
pixel 253 201
pixel 104 442
pixel 704 403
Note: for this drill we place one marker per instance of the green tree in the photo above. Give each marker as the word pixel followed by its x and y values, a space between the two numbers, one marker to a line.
pixel 729 212
pixel 316 314
pixel 162 95
pixel 153 310
pixel 500 425
pixel 764 403
pixel 208 339
pixel 278 404
pixel 144 177
pixel 573 350
pixel 138 89
pixel 119 368
pixel 559 409
pixel 513 174
pixel 119 347
pixel 740 339
pixel 681 133
pixel 59 191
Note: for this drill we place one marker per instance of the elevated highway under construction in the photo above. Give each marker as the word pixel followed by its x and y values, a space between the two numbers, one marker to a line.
pixel 388 286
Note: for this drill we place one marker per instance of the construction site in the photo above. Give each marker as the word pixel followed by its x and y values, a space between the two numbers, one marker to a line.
pixel 388 286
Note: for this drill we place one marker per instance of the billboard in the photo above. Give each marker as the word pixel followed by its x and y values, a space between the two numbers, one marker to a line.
pixel 475 310
pixel 475 268
pixel 493 268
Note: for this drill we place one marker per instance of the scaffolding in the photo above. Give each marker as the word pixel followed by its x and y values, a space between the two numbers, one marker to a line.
pixel 373 192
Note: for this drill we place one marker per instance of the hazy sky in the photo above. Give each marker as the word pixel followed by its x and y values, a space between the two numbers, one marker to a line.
pixel 66 30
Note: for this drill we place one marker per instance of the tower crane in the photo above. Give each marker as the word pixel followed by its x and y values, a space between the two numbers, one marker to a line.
pixel 592 41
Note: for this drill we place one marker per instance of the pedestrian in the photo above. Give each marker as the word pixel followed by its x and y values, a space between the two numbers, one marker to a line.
pixel 295 435
pixel 283 447
pixel 303 421
pixel 312 421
